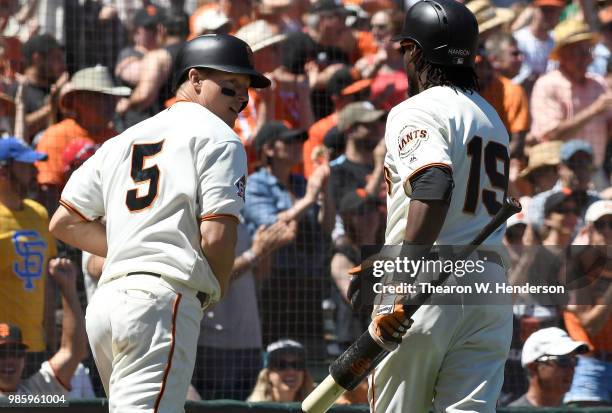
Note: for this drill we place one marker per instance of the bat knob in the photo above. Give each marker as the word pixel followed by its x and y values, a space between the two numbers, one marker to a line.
pixel 513 204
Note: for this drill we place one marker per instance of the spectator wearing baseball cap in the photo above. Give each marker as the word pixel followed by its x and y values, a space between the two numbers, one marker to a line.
pixel 361 219
pixel 45 74
pixel 211 21
pixel 327 26
pixel 274 193
pixel 589 314
pixel 25 226
pixel 549 356
pixel 575 171
pixel 361 125
pixel 145 35
pixel 285 377
pixel 343 88
pixel 54 375
pixel 535 41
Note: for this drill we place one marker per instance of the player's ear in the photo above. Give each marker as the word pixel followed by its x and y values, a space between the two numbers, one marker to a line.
pixel 195 78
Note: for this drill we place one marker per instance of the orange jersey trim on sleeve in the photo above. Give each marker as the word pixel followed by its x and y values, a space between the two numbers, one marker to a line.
pixel 72 208
pixel 429 165
pixel 215 216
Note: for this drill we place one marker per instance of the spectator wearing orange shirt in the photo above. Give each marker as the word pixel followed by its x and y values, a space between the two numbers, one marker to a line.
pixel 89 99
pixel 509 100
pixel 589 319
pixel 343 88
pixel 570 103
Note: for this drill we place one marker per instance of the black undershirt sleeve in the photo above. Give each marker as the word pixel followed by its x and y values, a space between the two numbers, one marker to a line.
pixel 433 184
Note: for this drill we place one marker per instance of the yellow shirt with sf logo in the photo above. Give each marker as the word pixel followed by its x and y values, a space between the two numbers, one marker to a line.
pixel 25 249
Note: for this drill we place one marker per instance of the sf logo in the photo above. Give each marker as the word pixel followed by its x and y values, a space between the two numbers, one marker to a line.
pixel 31 248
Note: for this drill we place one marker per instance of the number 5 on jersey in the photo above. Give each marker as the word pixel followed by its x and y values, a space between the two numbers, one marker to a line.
pixel 141 175
pixel 494 152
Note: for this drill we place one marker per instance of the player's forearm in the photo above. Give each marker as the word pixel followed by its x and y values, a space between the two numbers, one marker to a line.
pixel 218 245
pixel 85 235
pixel 425 220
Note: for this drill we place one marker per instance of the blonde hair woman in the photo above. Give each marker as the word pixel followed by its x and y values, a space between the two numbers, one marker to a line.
pixel 284 377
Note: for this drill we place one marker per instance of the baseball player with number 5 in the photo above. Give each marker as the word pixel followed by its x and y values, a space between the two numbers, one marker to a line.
pixel 447 173
pixel 171 189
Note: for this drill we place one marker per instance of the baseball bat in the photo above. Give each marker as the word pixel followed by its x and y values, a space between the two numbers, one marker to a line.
pixel 352 366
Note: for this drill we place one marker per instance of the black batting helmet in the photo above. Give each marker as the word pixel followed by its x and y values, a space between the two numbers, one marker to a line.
pixel 220 52
pixel 445 30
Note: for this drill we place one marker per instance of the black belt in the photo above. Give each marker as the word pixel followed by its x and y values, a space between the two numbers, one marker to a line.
pixel 201 296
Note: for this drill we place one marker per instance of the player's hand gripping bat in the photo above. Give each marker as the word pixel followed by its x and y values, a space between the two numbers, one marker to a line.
pixel 348 370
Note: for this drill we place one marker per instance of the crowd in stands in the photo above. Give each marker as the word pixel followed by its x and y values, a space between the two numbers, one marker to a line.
pixel 75 74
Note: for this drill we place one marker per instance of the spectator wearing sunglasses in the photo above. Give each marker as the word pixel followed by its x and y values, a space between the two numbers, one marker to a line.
pixel 589 318
pixel 549 356
pixel 285 377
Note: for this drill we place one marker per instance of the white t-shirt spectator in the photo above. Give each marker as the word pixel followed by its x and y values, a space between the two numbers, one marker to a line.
pixel 535 54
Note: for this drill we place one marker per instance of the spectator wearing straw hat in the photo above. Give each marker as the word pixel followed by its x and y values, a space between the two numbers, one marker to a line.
pixel 89 100
pixel 491 19
pixel 569 103
pixel 289 97
pixel 536 42
pixel 542 167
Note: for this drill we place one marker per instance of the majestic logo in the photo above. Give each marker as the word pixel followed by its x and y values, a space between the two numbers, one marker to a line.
pixel 459 52
pixel 408 142
pixel 241 187
pixel 31 247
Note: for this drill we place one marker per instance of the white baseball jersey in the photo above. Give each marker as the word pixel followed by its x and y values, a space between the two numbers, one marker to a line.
pixel 155 183
pixel 441 126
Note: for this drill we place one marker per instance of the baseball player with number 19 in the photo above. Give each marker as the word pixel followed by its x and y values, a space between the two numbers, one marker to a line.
pixel 447 174
pixel 171 189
